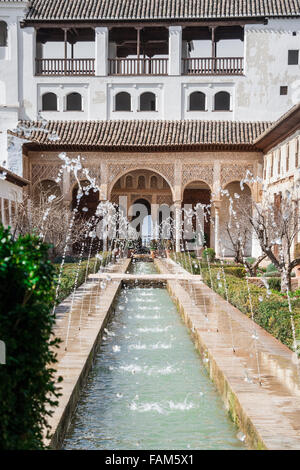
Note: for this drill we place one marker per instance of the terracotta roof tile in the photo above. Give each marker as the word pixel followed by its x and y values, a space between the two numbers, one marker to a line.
pixel 159 9
pixel 138 133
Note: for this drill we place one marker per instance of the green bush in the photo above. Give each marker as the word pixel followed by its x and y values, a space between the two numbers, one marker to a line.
pixel 27 382
pixel 271 312
pixel 237 271
pixel 275 283
pixel 70 270
pixel 209 253
pixel 271 268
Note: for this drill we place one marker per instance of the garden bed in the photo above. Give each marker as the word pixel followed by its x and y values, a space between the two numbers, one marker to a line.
pixel 70 270
pixel 270 311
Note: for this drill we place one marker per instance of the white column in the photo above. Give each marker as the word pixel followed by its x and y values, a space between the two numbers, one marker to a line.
pixel 29 47
pixel 255 248
pixel 101 51
pixel 178 224
pixel 175 50
pixel 217 230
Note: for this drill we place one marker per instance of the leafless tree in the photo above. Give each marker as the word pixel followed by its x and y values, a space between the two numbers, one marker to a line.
pixel 240 232
pixel 276 226
pixel 47 217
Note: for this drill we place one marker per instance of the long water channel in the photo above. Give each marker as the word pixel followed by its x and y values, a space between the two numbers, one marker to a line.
pixel 148 388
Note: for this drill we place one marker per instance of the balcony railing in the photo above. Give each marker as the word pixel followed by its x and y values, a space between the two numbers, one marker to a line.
pixel 65 67
pixel 213 66
pixel 138 66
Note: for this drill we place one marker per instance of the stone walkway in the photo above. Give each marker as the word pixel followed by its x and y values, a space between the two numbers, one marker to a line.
pixel 80 324
pixel 268 413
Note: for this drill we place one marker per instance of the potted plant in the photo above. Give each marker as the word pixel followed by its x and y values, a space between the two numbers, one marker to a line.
pixel 153 248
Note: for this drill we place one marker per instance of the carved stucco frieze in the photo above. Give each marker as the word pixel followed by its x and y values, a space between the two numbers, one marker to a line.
pixel 45 172
pixel 197 172
pixel 93 171
pixel 236 172
pixel 118 169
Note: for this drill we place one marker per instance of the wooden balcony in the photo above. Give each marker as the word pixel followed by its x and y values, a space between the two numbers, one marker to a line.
pixel 134 66
pixel 54 67
pixel 213 66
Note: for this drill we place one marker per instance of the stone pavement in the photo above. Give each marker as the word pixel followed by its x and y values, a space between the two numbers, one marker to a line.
pixel 257 376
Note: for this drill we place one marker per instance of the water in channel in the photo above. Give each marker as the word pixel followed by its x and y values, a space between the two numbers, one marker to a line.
pixel 148 388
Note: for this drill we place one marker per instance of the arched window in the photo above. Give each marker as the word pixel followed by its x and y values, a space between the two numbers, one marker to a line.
pixel 74 102
pixel 49 102
pixel 153 182
pixel 3 34
pixel 141 182
pixel 129 183
pixel 222 101
pixel 123 101
pixel 197 101
pixel 147 101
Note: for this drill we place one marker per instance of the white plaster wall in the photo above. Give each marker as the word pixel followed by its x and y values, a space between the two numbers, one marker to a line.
pixel 10 191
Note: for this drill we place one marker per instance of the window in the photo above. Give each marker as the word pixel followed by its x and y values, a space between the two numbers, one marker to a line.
pixel 129 182
pixel 3 34
pixel 123 101
pixel 197 101
pixel 141 182
pixel 287 157
pixel 283 90
pixel 153 182
pixel 74 102
pixel 222 101
pixel 293 57
pixel 49 102
pixel 147 101
pixel 279 162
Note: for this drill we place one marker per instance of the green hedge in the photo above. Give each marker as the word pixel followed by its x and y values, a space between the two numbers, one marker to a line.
pixel 271 313
pixel 27 383
pixel 196 266
pixel 70 270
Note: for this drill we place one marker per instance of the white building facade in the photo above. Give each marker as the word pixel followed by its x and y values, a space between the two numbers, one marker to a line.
pixel 230 67
pixel 253 60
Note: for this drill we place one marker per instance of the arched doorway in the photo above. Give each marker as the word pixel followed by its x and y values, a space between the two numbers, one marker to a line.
pixel 148 189
pixel 235 206
pixel 141 220
pixel 197 196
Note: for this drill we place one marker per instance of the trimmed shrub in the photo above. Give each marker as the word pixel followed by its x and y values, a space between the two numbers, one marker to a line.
pixel 271 268
pixel 209 253
pixel 271 313
pixel 27 382
pixel 69 273
pixel 275 283
pixel 237 271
